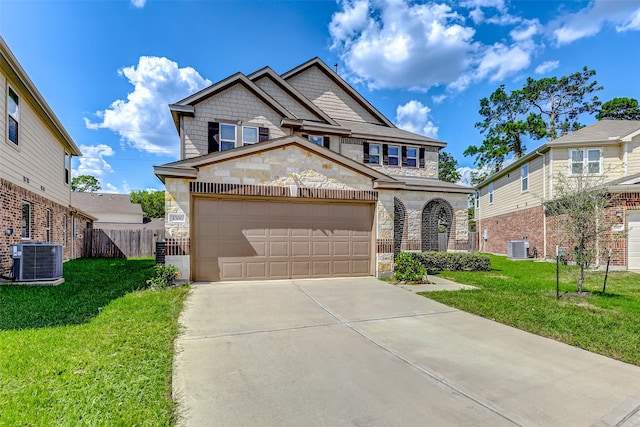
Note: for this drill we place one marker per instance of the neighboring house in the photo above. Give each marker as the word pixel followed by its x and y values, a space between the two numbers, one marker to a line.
pixel 509 203
pixel 109 209
pixel 297 175
pixel 35 168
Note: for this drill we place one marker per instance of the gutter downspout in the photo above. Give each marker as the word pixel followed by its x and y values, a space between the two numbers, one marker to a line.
pixel 544 197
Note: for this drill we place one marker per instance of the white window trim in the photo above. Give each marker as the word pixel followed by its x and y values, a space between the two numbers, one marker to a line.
pixel 585 161
pixel 29 220
pixel 416 158
pixel 235 135
pixel 17 119
pixel 379 162
pixel 490 192
pixel 524 178
pixel 245 142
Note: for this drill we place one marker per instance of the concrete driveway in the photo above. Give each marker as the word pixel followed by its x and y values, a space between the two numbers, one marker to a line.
pixel 360 352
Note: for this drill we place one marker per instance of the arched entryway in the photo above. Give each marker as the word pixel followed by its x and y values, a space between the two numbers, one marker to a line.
pixel 437 222
pixel 399 225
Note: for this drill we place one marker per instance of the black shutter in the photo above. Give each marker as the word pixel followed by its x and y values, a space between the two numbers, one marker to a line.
pixel 326 142
pixel 404 156
pixel 263 134
pixel 365 152
pixel 422 151
pixel 385 154
pixel 214 137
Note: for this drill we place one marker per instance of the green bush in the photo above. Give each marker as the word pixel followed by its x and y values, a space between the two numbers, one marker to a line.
pixel 165 276
pixel 457 261
pixel 409 268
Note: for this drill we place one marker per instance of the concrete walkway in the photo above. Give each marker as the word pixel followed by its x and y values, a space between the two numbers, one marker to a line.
pixel 360 352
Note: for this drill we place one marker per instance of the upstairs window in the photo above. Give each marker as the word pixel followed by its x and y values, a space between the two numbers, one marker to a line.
pixel 524 178
pixel 586 162
pixel 374 154
pixel 412 157
pixel 477 199
pixel 13 112
pixel 67 167
pixel 316 139
pixel 227 136
pixel 249 135
pixel 26 220
pixel 491 193
pixel 394 155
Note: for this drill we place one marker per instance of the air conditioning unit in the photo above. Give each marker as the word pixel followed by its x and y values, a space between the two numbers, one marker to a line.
pixel 518 249
pixel 36 261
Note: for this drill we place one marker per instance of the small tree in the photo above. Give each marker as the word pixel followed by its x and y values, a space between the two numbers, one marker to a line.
pixel 447 167
pixel 85 183
pixel 580 207
pixel 152 202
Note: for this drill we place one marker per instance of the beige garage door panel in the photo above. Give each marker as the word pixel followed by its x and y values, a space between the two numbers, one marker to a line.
pixel 633 221
pixel 245 239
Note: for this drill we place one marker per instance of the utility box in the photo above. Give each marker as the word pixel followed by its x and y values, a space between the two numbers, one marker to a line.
pixel 518 249
pixel 36 261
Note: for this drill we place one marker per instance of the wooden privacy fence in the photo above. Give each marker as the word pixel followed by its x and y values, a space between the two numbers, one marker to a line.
pixel 100 243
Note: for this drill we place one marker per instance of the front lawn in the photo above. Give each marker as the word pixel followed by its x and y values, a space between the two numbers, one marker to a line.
pixel 523 294
pixel 92 351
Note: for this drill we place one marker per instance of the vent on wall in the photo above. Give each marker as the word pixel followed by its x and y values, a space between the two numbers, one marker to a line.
pixel 518 249
pixel 36 261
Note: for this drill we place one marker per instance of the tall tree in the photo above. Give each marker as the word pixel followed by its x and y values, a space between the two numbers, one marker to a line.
pixel 619 109
pixel 85 184
pixel 447 167
pixel 542 109
pixel 152 202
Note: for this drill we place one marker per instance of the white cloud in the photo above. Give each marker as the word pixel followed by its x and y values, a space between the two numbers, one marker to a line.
pixel 138 3
pixel 399 44
pixel 526 31
pixel 547 66
pixel 438 99
pixel 414 117
pixel 143 120
pixel 500 61
pixel 92 161
pixel 109 188
pixel 625 15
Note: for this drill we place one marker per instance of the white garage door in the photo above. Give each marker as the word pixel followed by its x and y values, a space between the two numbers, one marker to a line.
pixel 258 239
pixel 633 223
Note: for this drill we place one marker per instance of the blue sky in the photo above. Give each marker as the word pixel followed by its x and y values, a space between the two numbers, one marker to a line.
pixel 109 68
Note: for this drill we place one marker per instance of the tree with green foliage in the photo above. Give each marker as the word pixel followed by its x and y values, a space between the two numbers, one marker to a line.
pixel 447 167
pixel 85 184
pixel 151 201
pixel 619 109
pixel 543 109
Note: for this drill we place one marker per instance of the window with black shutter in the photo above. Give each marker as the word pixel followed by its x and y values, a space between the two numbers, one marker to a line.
pixel 365 152
pixel 422 159
pixel 214 137
pixel 404 156
pixel 326 142
pixel 385 154
pixel 263 134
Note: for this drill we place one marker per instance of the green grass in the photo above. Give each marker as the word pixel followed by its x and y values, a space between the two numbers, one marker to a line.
pixel 523 294
pixel 93 351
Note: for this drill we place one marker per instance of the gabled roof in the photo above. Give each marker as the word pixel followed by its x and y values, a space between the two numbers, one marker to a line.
pixel 324 68
pixel 96 203
pixel 186 105
pixel 291 91
pixel 10 65
pixel 603 132
pixel 188 168
pixel 373 132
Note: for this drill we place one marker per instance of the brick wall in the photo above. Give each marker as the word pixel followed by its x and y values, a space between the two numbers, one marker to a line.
pixel 12 196
pixel 503 228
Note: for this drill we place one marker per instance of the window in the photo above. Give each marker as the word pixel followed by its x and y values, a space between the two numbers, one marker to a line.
pixel 477 199
pixel 227 136
pixel 524 178
pixel 374 154
pixel 316 139
pixel 394 155
pixel 412 157
pixel 586 162
pixel 49 221
pixel 26 220
pixel 249 135
pixel 13 112
pixel 491 193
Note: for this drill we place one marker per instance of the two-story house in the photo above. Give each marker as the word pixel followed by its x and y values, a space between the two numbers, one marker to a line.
pixel 35 168
pixel 509 204
pixel 297 175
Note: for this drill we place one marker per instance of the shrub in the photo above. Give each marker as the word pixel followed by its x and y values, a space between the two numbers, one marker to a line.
pixel 409 268
pixel 439 261
pixel 165 276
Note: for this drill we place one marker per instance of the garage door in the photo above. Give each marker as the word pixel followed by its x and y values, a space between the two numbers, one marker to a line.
pixel 634 240
pixel 256 239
